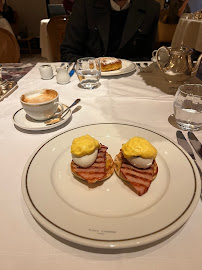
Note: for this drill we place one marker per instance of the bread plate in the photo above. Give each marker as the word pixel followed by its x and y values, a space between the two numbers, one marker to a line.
pixel 127 67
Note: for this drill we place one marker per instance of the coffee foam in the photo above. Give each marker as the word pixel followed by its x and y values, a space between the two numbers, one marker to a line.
pixel 39 97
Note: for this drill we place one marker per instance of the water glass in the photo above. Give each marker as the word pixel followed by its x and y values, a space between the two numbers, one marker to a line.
pixel 88 71
pixel 188 107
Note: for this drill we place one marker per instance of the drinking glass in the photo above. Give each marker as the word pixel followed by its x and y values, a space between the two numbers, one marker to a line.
pixel 188 106
pixel 88 71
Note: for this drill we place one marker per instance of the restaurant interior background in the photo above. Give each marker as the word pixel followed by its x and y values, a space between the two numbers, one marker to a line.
pixel 141 101
pixel 28 15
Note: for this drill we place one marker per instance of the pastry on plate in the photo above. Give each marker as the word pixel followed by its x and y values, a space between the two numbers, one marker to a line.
pixel 136 164
pixel 110 63
pixel 90 160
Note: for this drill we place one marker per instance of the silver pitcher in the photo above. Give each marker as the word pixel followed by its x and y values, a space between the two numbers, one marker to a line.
pixel 179 67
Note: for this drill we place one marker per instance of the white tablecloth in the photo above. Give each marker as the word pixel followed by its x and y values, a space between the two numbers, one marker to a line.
pixel 188 33
pixel 138 99
pixel 44 41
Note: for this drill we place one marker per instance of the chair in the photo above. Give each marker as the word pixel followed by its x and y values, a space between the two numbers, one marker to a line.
pixel 161 2
pixel 9 49
pixel 56 31
pixel 165 32
pixel 53 7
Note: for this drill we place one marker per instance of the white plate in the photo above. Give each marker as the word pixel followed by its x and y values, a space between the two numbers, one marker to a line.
pixel 22 120
pixel 127 66
pixel 110 215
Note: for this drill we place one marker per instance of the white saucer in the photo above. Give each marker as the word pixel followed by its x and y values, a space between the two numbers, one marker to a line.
pixel 22 120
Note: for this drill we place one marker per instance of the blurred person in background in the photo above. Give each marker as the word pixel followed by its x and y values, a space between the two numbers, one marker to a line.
pixel 1 7
pixel 68 4
pixel 117 28
pixel 6 18
pixel 176 9
pixel 6 11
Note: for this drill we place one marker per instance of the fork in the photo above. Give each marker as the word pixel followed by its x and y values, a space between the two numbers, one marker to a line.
pixel 144 68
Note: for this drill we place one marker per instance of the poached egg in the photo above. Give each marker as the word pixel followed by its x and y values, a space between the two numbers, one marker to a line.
pixel 84 150
pixel 139 152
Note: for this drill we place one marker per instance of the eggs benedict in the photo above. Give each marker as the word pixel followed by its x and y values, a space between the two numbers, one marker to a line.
pixel 136 164
pixel 90 160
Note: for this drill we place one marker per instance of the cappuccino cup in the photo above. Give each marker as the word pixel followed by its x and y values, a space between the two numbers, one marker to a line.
pixel 46 72
pixel 41 104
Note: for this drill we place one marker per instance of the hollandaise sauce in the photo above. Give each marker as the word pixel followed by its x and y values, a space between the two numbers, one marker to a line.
pixel 84 145
pixel 139 147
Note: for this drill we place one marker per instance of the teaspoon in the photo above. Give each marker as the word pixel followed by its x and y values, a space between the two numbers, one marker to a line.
pixel 57 119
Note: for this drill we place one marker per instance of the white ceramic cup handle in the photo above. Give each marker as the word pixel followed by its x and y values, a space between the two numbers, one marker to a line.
pixel 62 109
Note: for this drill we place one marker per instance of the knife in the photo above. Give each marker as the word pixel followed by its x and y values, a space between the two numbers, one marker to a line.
pixel 183 142
pixel 195 143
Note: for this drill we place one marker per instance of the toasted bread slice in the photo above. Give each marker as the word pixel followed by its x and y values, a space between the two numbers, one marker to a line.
pixel 93 175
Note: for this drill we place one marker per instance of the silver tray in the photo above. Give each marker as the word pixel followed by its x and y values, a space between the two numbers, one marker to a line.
pixel 6 88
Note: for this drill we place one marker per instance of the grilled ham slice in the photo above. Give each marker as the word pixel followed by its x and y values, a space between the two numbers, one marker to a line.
pixel 100 170
pixel 140 179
